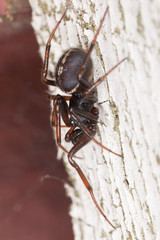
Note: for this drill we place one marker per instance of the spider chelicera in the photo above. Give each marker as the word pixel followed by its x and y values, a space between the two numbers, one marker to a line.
pixel 74 76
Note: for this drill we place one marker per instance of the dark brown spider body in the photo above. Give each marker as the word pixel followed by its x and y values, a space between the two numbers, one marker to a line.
pixel 74 75
pixel 67 71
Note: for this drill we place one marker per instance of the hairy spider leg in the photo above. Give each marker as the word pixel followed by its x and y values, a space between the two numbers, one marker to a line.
pixel 87 132
pixel 46 57
pixel 72 152
pixel 90 50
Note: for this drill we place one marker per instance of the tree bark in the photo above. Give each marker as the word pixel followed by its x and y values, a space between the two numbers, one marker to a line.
pixel 128 188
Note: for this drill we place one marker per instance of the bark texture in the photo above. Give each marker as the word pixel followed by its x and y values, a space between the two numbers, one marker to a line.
pixel 128 189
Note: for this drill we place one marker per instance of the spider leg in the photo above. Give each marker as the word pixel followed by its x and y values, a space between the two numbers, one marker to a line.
pixel 52 97
pixel 87 131
pixel 60 110
pixel 56 118
pixel 95 84
pixel 88 115
pixel 90 50
pixel 72 152
pixel 46 57
pixel 67 137
pixel 64 106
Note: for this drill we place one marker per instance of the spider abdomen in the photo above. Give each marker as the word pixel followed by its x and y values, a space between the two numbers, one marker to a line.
pixel 68 67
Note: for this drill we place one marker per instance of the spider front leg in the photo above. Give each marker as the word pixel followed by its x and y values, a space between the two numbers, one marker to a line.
pixel 82 142
pixel 46 57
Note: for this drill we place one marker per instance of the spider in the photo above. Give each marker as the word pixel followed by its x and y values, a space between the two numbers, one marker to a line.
pixel 74 76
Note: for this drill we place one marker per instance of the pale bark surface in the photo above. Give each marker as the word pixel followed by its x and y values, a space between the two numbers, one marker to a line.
pixel 128 189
